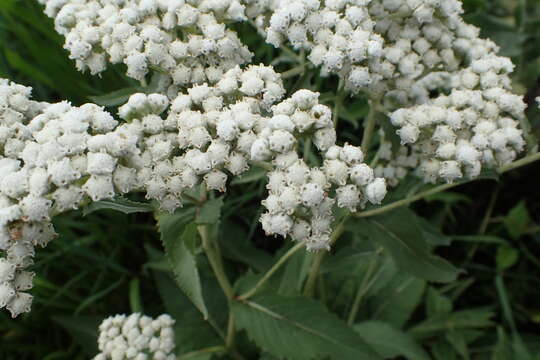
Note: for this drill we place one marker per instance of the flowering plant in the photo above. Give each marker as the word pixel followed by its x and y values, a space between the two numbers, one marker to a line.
pixel 203 119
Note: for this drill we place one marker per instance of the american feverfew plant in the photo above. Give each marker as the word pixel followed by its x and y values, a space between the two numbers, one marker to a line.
pixel 204 121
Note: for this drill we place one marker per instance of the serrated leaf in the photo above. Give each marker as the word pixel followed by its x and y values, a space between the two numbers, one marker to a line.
pixel 175 232
pixel 517 220
pixel 299 329
pixel 184 267
pixel 120 204
pixel 210 212
pixel 390 342
pixel 400 234
pixel 192 332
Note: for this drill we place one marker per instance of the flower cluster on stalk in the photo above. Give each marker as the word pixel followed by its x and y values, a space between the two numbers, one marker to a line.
pixel 443 89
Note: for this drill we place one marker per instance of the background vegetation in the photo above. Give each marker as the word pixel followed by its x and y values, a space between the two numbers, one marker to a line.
pixel 107 262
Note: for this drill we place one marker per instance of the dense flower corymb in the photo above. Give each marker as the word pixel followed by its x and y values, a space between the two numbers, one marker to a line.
pixel 137 337
pixel 56 157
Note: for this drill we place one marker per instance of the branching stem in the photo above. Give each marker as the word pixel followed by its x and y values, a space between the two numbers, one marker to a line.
pixel 215 262
pixel 396 204
pixel 282 260
pixel 315 267
pixel 369 125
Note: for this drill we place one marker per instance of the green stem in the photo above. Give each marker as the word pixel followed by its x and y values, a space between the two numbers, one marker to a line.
pixel 298 70
pixel 489 212
pixel 406 201
pixel 519 163
pixel 396 204
pixel 315 267
pixel 262 164
pixel 214 257
pixel 362 289
pixel 215 262
pixel 369 126
pixel 282 260
pixel 198 353
pixel 338 102
pixel 229 342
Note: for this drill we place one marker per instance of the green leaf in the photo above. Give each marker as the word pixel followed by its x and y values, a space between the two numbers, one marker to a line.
pixel 502 350
pixel 135 295
pixel 442 350
pixel 396 302
pixel 115 98
pixel 482 239
pixel 299 329
pixel 236 246
pixel 506 257
pixel 191 331
pixel 432 234
pixel 252 175
pixel 210 212
pixel 466 319
pixel 436 303
pixel 400 234
pixel 457 340
pixel 390 342
pixel 120 204
pixel 83 329
pixel 517 220
pixel 175 233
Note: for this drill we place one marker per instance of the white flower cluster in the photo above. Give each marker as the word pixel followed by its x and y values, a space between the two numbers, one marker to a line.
pixel 52 158
pixel 55 157
pixel 137 337
pixel 16 109
pixel 213 131
pixel 401 53
pixel 208 132
pixel 186 38
pixel 394 167
pixel 299 203
pixel 460 133
pixel 339 35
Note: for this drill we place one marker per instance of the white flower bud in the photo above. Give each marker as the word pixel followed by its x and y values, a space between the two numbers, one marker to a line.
pixel 376 191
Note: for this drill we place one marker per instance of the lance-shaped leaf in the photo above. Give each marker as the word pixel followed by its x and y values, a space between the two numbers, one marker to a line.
pixel 401 235
pixel 176 233
pixel 390 342
pixel 299 329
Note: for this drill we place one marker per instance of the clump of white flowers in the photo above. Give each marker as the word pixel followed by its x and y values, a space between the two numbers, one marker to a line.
pixel 443 88
pixel 339 35
pixel 206 136
pixel 213 132
pixel 136 336
pixel 187 39
pixel 301 198
pixel 55 157
pixel 454 111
